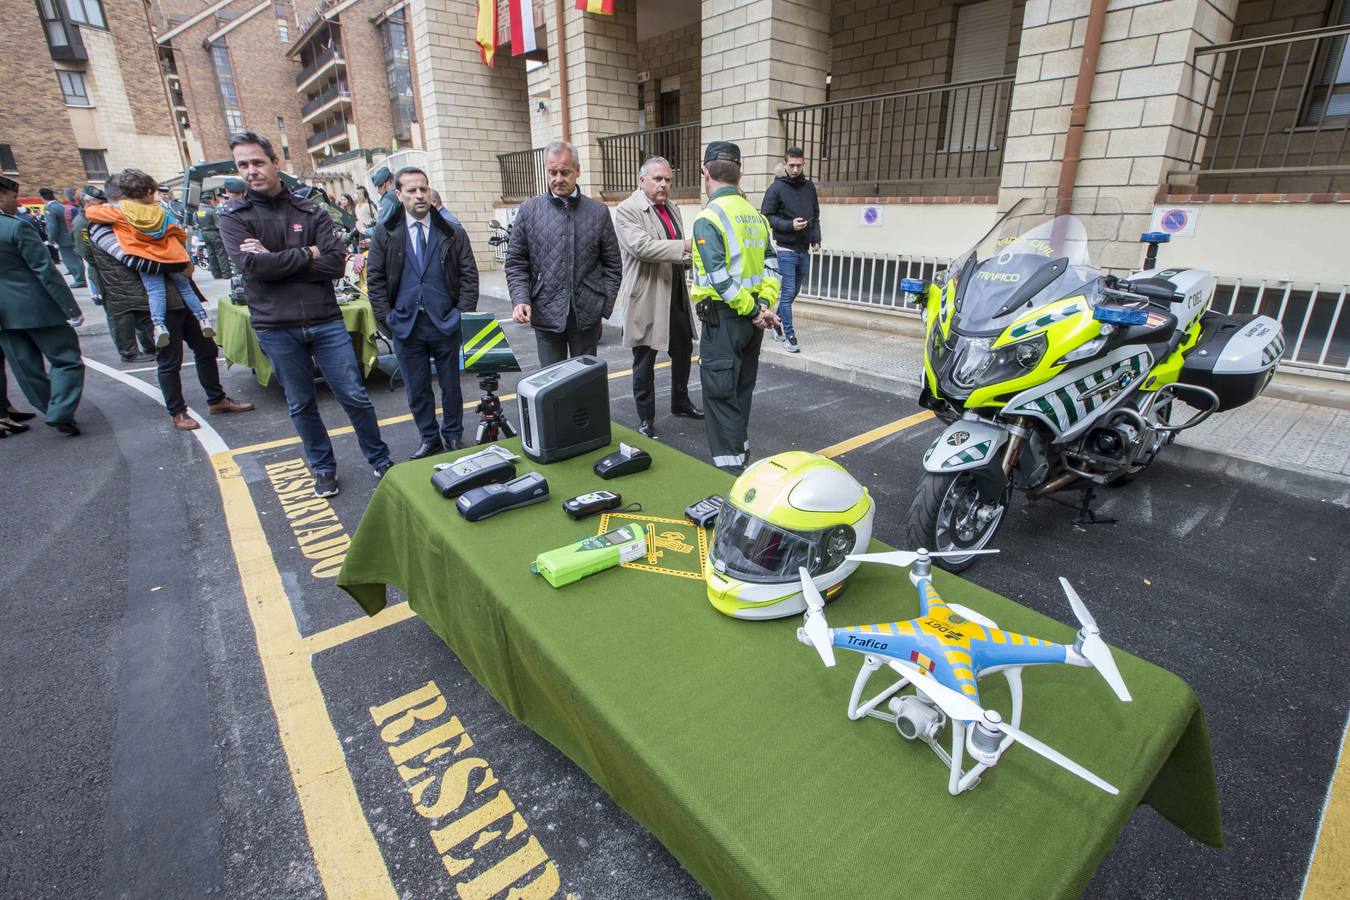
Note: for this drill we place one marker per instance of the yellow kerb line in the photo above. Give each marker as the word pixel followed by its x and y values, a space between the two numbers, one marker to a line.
pixel 357 628
pixel 1329 872
pixel 876 434
pixel 346 855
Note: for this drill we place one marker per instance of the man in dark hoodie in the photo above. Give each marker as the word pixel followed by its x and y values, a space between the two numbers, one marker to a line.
pixel 791 206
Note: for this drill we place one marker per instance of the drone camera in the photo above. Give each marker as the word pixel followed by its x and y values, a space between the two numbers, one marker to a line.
pixel 914 718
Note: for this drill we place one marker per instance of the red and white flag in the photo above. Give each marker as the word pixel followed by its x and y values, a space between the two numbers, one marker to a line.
pixel 603 7
pixel 522 27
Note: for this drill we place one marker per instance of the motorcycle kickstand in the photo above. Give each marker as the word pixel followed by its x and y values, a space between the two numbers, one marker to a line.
pixel 1086 516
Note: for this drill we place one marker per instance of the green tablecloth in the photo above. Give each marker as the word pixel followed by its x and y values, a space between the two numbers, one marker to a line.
pixel 236 337
pixel 729 740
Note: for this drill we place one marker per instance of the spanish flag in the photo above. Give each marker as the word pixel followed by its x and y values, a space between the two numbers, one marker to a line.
pixel 604 7
pixel 487 29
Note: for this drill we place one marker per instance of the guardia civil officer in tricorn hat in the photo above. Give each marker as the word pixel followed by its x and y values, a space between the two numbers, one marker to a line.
pixel 735 291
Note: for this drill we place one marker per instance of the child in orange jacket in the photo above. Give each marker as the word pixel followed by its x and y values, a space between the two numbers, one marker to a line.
pixel 146 230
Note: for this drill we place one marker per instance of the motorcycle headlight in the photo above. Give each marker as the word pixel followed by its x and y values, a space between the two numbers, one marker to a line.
pixel 976 365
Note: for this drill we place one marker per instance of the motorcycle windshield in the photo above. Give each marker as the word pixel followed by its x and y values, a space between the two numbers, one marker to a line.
pixel 1033 255
pixel 750 549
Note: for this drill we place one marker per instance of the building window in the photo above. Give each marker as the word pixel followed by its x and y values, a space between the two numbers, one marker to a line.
pixel 229 97
pixel 95 164
pixel 73 88
pixel 285 152
pixel 283 24
pixel 979 51
pixel 54 25
pixel 87 12
pixel 281 124
pixel 1329 93
pixel 402 106
pixel 7 162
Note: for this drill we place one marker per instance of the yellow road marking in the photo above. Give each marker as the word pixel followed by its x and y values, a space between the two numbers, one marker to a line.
pixel 876 434
pixel 1329 872
pixel 346 855
pixel 357 628
pixel 394 420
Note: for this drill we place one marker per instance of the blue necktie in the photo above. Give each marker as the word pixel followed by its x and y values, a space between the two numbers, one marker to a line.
pixel 419 246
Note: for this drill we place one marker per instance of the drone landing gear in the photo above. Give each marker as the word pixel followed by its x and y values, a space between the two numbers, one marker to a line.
pixel 492 422
pixel 916 718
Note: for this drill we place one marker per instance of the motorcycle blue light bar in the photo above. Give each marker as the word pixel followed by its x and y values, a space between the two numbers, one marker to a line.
pixel 1154 237
pixel 1120 315
pixel 912 285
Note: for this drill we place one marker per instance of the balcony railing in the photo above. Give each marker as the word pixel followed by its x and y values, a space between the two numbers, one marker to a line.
pixel 522 173
pixel 1271 114
pixel 941 138
pixel 622 155
pixel 319 138
pixel 323 59
pixel 327 95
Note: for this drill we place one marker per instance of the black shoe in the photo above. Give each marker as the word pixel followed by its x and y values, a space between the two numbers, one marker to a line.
pixel 325 485
pixel 687 410
pixel 454 444
pixel 383 468
pixel 66 428
pixel 15 415
pixel 427 449
pixel 647 428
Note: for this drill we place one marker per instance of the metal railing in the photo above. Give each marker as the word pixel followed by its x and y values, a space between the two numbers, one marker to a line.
pixel 622 155
pixel 1271 106
pixel 319 62
pixel 327 95
pixel 907 141
pixel 522 173
pixel 1315 316
pixel 322 137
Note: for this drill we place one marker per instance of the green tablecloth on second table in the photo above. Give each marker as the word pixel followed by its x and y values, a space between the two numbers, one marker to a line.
pixel 236 337
pixel 729 740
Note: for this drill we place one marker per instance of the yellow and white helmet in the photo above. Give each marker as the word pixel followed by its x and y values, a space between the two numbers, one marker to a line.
pixel 789 511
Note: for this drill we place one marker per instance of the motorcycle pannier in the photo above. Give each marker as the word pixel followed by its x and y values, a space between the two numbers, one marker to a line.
pixel 1235 357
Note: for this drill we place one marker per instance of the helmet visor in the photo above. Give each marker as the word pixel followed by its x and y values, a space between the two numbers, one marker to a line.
pixel 749 548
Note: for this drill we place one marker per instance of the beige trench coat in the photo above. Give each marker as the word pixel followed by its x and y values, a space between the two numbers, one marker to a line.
pixel 647 254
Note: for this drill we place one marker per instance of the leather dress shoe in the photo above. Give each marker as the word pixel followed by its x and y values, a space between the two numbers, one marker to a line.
pixel 688 411
pixel 228 405
pixel 70 429
pixel 647 428
pixel 427 449
pixel 455 444
pixel 184 422
pixel 17 415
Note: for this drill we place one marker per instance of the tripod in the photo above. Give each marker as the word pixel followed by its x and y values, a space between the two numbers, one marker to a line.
pixel 492 422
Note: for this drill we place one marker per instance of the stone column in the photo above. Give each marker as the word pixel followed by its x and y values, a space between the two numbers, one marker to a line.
pixel 602 69
pixel 1144 112
pixel 472 113
pixel 759 57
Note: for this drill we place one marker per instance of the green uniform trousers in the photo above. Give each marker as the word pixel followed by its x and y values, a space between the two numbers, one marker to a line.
pixel 728 366
pixel 55 393
pixel 126 328
pixel 215 254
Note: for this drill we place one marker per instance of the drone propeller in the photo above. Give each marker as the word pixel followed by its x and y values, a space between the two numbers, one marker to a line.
pixel 906 558
pixel 816 629
pixel 959 706
pixel 1095 649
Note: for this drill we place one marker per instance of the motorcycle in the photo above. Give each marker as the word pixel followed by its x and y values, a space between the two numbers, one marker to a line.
pixel 1053 375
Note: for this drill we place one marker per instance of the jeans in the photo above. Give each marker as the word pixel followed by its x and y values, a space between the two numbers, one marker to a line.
pixel 793 265
pixel 159 303
pixel 293 353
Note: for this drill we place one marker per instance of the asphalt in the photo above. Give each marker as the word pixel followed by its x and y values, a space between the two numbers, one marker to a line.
pixel 143 756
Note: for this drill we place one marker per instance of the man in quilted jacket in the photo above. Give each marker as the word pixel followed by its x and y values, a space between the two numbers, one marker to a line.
pixel 563 267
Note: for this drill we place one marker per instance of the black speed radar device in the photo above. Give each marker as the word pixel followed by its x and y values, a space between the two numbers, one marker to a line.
pixel 564 410
pixel 481 502
pixel 487 354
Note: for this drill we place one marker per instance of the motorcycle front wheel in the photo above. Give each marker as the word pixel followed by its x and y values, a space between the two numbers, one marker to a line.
pixel 947 514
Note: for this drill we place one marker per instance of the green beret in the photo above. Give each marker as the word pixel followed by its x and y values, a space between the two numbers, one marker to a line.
pixel 380 176
pixel 96 193
pixel 722 150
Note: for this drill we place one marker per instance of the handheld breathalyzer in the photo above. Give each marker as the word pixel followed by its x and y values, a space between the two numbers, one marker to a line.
pixel 592 554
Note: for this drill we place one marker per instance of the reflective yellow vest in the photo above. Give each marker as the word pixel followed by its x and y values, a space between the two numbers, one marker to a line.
pixel 742 274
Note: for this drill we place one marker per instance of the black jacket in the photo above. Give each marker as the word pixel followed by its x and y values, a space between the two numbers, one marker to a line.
pixel 283 287
pixel 564 255
pixel 389 247
pixel 788 199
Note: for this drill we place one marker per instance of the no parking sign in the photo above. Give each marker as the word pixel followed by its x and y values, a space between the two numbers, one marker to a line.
pixel 1178 221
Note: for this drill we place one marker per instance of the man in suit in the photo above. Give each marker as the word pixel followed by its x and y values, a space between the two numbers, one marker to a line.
pixel 420 275
pixel 58 233
pixel 657 313
pixel 37 318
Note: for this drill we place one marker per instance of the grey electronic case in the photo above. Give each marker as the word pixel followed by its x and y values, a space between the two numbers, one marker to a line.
pixel 564 409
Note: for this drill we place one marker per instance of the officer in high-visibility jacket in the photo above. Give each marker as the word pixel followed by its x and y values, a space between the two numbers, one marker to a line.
pixel 735 291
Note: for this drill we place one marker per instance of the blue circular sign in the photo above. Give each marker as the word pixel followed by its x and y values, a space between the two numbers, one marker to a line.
pixel 871 214
pixel 1174 220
